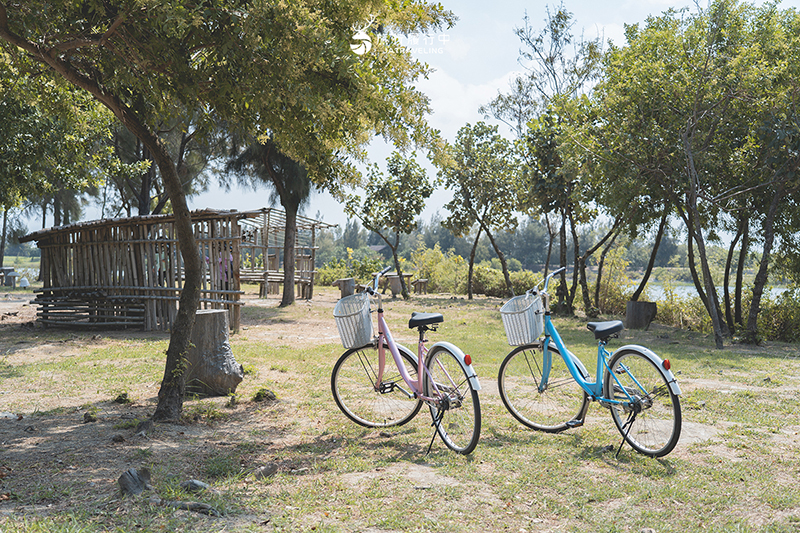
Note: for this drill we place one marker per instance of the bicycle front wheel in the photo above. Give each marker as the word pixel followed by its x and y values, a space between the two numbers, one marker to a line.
pixel 457 417
pixel 364 400
pixel 545 404
pixel 648 414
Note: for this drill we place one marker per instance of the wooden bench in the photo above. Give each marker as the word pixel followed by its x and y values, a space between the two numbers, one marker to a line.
pixel 420 286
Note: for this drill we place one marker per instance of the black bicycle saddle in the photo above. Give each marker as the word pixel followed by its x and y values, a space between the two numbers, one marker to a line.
pixel 424 319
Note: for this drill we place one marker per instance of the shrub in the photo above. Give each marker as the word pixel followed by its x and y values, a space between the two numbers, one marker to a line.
pixel 488 281
pixel 779 319
pixel 616 287
pixel 524 280
pixel 331 271
pixel 682 312
pixel 361 269
pixel 445 272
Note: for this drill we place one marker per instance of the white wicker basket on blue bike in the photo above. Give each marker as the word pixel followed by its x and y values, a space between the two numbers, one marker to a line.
pixel 353 320
pixel 523 319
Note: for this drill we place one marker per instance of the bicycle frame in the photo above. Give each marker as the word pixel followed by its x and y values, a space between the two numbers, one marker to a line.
pixel 576 368
pixel 416 387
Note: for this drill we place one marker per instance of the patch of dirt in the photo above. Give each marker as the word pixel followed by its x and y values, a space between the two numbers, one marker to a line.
pixel 65 461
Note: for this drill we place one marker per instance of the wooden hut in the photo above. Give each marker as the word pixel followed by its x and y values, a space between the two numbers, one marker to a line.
pixel 128 272
pixel 262 252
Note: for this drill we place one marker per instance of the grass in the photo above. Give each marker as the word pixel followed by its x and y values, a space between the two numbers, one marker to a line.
pixel 336 476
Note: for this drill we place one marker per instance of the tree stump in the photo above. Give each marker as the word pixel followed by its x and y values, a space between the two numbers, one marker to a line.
pixel 212 370
pixel 347 286
pixel 394 284
pixel 639 315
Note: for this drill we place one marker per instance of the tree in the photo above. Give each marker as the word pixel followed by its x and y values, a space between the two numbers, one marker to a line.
pixel 482 174
pixel 263 162
pixel 191 150
pixel 554 74
pixel 280 69
pixel 684 107
pixel 392 203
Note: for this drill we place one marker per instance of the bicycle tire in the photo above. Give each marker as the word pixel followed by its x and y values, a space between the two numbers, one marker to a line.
pixel 656 427
pixel 458 423
pixel 353 387
pixel 552 407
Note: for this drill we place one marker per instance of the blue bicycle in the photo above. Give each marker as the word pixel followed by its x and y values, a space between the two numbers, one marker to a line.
pixel 547 388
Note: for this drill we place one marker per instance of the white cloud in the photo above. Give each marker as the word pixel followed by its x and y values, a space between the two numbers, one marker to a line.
pixel 455 103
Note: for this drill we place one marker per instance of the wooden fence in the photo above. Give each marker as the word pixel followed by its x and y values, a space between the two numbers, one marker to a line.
pixel 129 272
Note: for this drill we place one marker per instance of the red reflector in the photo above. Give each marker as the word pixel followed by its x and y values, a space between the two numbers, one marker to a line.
pixel 666 364
pixel 468 359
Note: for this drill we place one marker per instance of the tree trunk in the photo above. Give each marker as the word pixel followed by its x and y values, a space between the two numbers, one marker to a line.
pixel 552 236
pixel 576 250
pixel 472 263
pixel 727 280
pixel 639 315
pixel 751 335
pixel 289 240
pixel 502 257
pixel 3 238
pixel 696 233
pixel 170 395
pixel 661 229
pixel 593 311
pixel 600 265
pixel 561 292
pixel 737 311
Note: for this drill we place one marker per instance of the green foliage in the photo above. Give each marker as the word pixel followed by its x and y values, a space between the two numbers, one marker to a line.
pixel 488 281
pixel 779 319
pixel 523 280
pixel 363 270
pixel 445 272
pixel 331 271
pixel 682 312
pixel 616 286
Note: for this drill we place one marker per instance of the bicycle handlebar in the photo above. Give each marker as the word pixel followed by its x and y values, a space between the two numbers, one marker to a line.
pixel 374 287
pixel 553 273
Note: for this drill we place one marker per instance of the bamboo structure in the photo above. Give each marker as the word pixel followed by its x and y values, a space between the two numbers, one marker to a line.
pixel 262 251
pixel 128 272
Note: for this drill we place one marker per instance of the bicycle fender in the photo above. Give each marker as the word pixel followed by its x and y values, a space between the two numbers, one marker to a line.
pixel 647 352
pixel 473 377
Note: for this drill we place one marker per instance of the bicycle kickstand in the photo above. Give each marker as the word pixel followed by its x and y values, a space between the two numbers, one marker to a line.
pixel 628 426
pixel 435 424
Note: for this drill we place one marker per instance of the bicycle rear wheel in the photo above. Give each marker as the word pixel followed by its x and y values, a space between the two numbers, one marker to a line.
pixel 353 383
pixel 458 417
pixel 650 420
pixel 545 405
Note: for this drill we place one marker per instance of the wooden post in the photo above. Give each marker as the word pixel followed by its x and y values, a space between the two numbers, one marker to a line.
pixel 638 315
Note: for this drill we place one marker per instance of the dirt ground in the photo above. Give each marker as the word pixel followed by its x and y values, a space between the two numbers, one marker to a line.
pixel 47 446
pixel 78 463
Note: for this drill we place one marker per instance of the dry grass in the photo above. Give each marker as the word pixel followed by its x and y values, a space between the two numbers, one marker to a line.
pixel 734 469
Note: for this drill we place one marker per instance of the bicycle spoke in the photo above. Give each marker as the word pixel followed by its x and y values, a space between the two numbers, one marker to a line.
pixel 366 402
pixel 455 411
pixel 647 413
pixel 550 405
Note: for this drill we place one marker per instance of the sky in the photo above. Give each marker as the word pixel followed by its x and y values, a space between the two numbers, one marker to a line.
pixel 473 62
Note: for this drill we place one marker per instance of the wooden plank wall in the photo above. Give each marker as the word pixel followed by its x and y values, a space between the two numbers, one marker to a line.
pixel 131 274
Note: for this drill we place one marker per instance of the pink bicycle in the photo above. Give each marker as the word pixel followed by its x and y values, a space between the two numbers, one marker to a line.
pixel 374 394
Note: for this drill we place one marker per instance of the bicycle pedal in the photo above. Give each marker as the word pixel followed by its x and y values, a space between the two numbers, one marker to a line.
pixel 574 424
